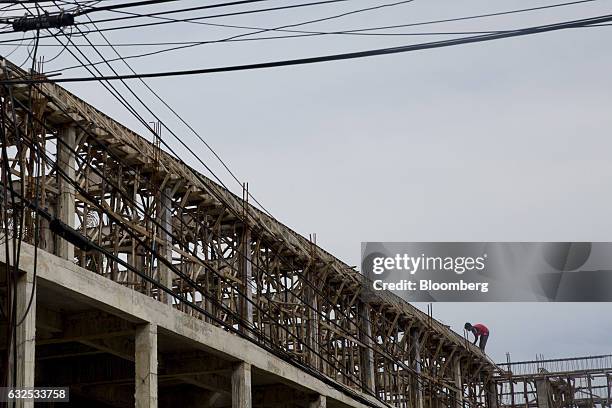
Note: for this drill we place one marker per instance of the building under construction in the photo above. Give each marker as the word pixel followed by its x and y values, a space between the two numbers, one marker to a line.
pixel 578 382
pixel 135 280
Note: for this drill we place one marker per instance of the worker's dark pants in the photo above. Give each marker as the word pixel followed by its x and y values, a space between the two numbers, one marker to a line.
pixel 483 341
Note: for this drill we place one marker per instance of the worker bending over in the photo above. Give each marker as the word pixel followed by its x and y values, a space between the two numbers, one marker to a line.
pixel 479 331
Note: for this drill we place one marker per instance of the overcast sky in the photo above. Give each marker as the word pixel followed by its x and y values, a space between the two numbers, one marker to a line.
pixel 501 141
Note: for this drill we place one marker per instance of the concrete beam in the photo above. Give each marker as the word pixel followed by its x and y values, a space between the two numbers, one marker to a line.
pixel 95 325
pixel 90 370
pixel 66 350
pixel 195 368
pixel 193 363
pixel 241 386
pixel 210 382
pixel 146 366
pixel 281 396
pixel 119 346
pixel 91 325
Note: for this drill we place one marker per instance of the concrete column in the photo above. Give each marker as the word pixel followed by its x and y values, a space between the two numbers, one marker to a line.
pixel 367 353
pixel 246 274
pixel 65 205
pixel 493 395
pixel 609 389
pixel 543 391
pixel 458 383
pixel 136 256
pixel 417 367
pixel 26 339
pixel 313 325
pixel 241 386
pixel 46 236
pixel 164 246
pixel 146 366
pixel 319 402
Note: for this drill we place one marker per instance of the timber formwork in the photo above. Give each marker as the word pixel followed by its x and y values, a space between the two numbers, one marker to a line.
pixel 169 232
pixel 578 382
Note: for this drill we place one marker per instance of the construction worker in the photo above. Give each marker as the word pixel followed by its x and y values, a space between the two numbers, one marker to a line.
pixel 479 331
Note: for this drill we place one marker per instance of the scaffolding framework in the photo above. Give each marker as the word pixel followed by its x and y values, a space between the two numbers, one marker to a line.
pixel 165 225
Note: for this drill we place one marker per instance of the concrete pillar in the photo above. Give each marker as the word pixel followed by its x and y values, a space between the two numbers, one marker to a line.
pixel 246 274
pixel 46 236
pixel 458 383
pixel 65 205
pixel 319 402
pixel 367 353
pixel 26 339
pixel 417 367
pixel 544 393
pixel 241 386
pixel 609 389
pixel 493 395
pixel 313 326
pixel 146 366
pixel 164 246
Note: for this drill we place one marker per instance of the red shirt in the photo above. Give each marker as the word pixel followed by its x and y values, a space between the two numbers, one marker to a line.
pixel 481 329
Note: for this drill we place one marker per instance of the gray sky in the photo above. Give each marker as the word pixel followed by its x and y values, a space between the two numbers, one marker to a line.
pixel 506 140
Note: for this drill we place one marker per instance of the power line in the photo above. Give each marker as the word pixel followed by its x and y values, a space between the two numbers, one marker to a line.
pixel 259 31
pixel 337 57
pixel 240 37
pixel 317 20
pixel 156 15
pixel 508 12
pixel 175 11
pixel 320 2
pixel 486 15
pixel 235 13
pixel 471 17
pixel 125 5
pixel 305 34
pixel 236 37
